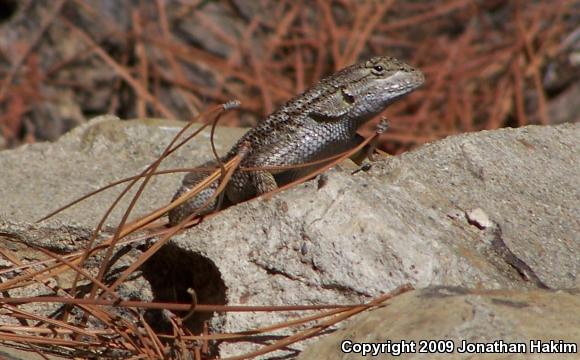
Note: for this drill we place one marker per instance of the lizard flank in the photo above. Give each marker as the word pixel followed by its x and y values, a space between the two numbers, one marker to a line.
pixel 319 123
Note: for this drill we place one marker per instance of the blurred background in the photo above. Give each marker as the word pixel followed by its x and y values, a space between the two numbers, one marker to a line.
pixel 488 64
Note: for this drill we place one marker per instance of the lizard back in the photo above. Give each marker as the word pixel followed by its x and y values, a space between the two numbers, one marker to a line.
pixel 316 124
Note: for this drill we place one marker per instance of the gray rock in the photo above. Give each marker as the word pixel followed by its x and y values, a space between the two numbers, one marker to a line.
pixel 448 317
pixel 489 210
pixel 359 236
pixel 37 179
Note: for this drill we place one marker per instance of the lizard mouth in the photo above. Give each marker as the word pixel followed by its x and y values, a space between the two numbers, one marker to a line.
pixel 406 80
pixel 402 83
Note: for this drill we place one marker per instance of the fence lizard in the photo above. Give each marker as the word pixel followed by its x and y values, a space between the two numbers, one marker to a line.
pixel 319 123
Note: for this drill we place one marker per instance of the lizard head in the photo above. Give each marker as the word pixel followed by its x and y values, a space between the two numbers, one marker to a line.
pixel 376 83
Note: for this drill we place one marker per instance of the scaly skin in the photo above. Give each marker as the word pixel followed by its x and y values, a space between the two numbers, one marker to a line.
pixel 316 124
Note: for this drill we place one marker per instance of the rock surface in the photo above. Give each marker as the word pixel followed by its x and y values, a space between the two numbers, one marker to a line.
pixel 489 210
pixel 36 179
pixel 456 315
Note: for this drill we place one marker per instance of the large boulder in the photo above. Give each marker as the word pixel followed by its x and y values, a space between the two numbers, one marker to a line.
pixel 488 210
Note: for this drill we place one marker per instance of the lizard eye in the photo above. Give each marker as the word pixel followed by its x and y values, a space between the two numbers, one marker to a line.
pixel 378 69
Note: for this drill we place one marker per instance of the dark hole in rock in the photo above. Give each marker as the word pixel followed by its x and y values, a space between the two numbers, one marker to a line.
pixel 171 271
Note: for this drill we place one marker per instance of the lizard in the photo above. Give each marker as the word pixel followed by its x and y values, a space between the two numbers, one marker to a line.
pixel 319 123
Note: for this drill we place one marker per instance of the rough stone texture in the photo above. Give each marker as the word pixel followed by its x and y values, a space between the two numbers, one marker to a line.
pixel 357 236
pixel 458 315
pixel 404 221
pixel 39 178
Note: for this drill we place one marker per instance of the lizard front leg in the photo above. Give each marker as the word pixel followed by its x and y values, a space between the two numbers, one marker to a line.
pixel 368 151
